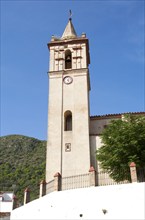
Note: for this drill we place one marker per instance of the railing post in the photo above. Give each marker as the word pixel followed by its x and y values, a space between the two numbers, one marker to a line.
pixel 42 191
pixel 57 182
pixel 92 174
pixel 15 202
pixel 26 196
pixel 133 172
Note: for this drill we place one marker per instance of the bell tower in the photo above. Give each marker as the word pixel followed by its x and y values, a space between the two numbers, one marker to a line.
pixel 68 147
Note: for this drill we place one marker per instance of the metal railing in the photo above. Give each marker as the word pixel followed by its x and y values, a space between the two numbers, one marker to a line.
pixel 73 182
pixel 104 179
pixel 141 174
pixel 50 186
pixel 92 178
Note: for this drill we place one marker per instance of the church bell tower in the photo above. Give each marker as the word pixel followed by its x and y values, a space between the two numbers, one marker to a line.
pixel 68 147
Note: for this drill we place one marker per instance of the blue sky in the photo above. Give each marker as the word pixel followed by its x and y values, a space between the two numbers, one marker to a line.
pixel 116 36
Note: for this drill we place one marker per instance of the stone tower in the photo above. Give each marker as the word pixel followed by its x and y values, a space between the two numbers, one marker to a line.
pixel 68 147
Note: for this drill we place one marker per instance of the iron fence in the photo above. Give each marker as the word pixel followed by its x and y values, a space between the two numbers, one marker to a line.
pixel 141 174
pixel 78 181
pixel 104 179
pixel 50 186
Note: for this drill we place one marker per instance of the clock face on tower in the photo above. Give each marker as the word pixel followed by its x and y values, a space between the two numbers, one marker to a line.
pixel 67 79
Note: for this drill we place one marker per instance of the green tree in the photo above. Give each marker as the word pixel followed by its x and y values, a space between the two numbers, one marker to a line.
pixel 123 142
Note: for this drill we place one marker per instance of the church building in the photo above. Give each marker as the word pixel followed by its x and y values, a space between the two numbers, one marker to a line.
pixel 73 136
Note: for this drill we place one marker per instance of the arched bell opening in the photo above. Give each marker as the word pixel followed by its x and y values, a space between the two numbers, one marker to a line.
pixel 68 59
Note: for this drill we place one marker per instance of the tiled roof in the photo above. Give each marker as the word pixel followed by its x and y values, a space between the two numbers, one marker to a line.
pixel 118 115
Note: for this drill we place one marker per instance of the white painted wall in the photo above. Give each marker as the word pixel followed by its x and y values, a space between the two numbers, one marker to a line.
pixel 6 202
pixel 6 206
pixel 124 201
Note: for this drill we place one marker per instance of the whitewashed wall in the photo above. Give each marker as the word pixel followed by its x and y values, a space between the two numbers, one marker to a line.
pixel 6 204
pixel 124 201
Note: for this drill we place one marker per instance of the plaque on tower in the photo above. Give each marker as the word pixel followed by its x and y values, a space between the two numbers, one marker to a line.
pixel 67 147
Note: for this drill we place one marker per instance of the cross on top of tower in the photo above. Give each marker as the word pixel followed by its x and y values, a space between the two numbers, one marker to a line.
pixel 70 14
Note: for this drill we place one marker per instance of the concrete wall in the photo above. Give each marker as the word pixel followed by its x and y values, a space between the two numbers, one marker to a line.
pixel 74 98
pixel 6 202
pixel 98 125
pixel 6 206
pixel 124 201
pixel 95 143
pixel 96 128
pixel 53 159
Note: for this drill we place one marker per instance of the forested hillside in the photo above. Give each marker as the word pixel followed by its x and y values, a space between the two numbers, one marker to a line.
pixel 22 164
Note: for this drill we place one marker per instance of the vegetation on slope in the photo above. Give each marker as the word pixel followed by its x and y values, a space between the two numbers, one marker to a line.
pixel 22 164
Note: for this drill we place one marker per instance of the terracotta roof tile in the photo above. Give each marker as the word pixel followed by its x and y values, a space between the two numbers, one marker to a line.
pixel 117 115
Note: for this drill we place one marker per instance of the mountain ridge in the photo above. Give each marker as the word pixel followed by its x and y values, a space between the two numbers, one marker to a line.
pixel 22 164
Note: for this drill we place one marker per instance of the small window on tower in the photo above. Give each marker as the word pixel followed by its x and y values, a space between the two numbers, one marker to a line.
pixel 68 59
pixel 68 121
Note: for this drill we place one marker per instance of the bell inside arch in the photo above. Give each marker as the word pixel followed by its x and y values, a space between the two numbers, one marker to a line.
pixel 68 57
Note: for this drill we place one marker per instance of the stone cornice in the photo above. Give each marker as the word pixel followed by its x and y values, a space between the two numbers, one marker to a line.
pixel 74 72
pixel 68 41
